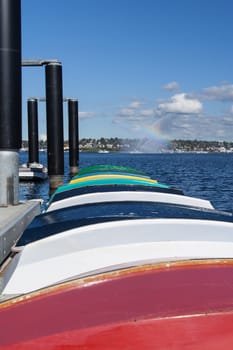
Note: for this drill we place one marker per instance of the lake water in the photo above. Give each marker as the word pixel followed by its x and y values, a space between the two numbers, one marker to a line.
pixel 208 176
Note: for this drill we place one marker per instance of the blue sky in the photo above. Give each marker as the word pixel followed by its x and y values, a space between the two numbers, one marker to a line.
pixel 161 69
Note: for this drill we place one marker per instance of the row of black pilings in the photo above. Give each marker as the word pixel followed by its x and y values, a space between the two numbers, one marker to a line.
pixel 56 168
pixel 11 108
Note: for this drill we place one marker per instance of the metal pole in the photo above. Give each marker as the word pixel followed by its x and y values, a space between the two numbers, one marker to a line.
pixel 10 100
pixel 33 130
pixel 73 135
pixel 55 138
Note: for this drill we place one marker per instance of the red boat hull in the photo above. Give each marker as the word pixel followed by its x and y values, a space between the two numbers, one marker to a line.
pixel 163 306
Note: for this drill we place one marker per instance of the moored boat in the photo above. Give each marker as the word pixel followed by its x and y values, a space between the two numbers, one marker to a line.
pixel 33 172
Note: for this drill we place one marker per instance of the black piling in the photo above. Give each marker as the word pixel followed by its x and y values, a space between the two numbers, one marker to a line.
pixel 33 143
pixel 73 135
pixel 10 100
pixel 55 138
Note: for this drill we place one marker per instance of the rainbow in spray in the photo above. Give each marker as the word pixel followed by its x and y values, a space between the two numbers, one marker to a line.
pixel 153 136
pixel 156 130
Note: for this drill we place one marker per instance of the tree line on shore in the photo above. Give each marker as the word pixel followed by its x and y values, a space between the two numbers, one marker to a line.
pixel 124 144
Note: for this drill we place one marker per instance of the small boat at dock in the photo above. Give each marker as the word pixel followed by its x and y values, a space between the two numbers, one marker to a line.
pixel 33 172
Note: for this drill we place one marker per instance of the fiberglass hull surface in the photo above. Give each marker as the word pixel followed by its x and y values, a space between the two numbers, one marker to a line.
pixel 162 306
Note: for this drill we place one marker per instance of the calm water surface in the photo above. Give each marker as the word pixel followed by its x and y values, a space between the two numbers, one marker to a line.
pixel 208 176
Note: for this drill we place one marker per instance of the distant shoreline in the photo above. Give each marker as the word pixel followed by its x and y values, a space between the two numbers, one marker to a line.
pixel 107 145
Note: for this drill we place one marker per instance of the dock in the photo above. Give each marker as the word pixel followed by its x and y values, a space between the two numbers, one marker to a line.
pixel 13 221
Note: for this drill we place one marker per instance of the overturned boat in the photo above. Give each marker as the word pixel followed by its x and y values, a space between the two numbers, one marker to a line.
pixel 119 259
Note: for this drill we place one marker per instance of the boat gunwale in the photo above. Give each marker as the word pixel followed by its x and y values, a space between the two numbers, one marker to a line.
pixel 101 277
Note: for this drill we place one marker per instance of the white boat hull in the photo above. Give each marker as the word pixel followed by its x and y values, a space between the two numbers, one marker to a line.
pixel 124 196
pixel 33 171
pixel 85 250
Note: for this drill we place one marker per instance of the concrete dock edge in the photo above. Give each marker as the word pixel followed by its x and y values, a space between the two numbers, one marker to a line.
pixel 13 221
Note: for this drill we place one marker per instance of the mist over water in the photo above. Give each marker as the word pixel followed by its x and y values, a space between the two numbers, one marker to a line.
pixel 150 145
pixel 208 176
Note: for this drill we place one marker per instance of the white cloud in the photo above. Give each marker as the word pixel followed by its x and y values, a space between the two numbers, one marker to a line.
pixel 132 115
pixel 147 112
pixel 193 126
pixel 135 104
pixel 127 112
pixel 85 115
pixel 179 103
pixel 181 116
pixel 134 112
pixel 172 86
pixel 222 92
